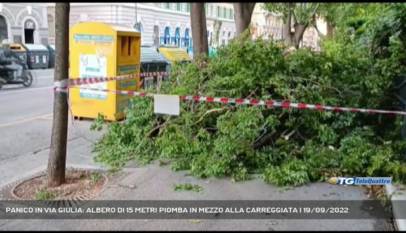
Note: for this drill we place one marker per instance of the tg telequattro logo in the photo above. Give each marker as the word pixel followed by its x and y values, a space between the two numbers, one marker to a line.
pixel 360 180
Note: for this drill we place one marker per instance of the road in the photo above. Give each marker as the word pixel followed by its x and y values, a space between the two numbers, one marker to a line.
pixel 26 117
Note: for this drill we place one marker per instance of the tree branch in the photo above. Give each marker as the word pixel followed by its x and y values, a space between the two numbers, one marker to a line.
pixel 209 112
pixel 158 127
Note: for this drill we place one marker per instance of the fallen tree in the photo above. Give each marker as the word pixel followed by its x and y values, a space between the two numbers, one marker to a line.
pixel 287 147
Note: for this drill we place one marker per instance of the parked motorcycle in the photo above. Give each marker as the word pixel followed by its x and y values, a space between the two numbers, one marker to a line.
pixel 13 70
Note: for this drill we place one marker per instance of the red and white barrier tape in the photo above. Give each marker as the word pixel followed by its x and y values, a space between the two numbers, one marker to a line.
pixel 150 74
pixel 255 102
pixel 93 80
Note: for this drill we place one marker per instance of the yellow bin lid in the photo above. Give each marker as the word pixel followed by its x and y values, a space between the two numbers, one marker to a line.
pixel 17 47
pixel 175 54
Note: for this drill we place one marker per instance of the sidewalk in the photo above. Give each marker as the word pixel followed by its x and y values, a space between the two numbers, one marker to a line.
pixel 79 153
pixel 153 182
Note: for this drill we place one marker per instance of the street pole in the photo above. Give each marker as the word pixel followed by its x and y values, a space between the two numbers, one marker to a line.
pixel 136 17
pixel 57 155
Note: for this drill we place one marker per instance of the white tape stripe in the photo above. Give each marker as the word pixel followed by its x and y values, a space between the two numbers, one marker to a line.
pixel 61 84
pixel 294 105
pixel 217 99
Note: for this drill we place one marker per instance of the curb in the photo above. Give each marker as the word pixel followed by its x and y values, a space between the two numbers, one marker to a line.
pixel 396 194
pixel 41 169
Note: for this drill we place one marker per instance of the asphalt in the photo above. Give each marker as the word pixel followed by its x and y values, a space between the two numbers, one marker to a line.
pixel 25 126
pixel 24 116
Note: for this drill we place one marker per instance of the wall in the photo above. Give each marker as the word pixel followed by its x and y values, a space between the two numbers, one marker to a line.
pixel 148 14
pixel 16 14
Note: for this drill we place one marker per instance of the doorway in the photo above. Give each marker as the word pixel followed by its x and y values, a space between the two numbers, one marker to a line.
pixel 29 29
pixel 3 29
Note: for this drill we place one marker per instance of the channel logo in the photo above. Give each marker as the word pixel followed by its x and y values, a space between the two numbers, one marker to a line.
pixel 360 180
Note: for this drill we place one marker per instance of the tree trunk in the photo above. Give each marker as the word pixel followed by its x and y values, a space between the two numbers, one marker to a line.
pixel 199 29
pixel 242 15
pixel 330 29
pixel 286 33
pixel 286 27
pixel 298 35
pixel 293 38
pixel 57 155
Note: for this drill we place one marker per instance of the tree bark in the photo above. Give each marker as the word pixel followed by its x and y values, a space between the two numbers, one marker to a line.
pixel 294 38
pixel 199 29
pixel 57 155
pixel 330 29
pixel 298 35
pixel 286 33
pixel 242 15
pixel 286 28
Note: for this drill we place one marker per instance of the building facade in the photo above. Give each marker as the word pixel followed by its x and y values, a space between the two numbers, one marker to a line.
pixel 24 23
pixel 159 23
pixel 269 25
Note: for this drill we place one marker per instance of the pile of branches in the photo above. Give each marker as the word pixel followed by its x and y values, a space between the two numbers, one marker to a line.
pixel 285 147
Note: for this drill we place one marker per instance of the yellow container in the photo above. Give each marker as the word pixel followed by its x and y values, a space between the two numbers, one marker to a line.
pixel 101 50
pixel 174 54
pixel 17 47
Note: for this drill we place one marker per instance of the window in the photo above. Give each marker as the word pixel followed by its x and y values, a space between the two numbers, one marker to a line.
pixel 167 35
pixel 230 13
pixel 187 38
pixel 188 7
pixel 211 10
pixel 167 5
pixel 178 7
pixel 218 12
pixel 156 35
pixel 177 36
pixel 17 39
pixel 224 12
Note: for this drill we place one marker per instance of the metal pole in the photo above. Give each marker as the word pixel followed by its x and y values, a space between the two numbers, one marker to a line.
pixel 136 16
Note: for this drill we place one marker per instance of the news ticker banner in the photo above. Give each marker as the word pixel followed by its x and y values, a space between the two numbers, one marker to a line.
pixel 193 209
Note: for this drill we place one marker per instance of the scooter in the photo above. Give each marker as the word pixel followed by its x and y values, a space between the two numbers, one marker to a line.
pixel 15 71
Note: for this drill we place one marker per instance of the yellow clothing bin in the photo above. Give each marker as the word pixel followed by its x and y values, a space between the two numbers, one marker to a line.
pixel 101 50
